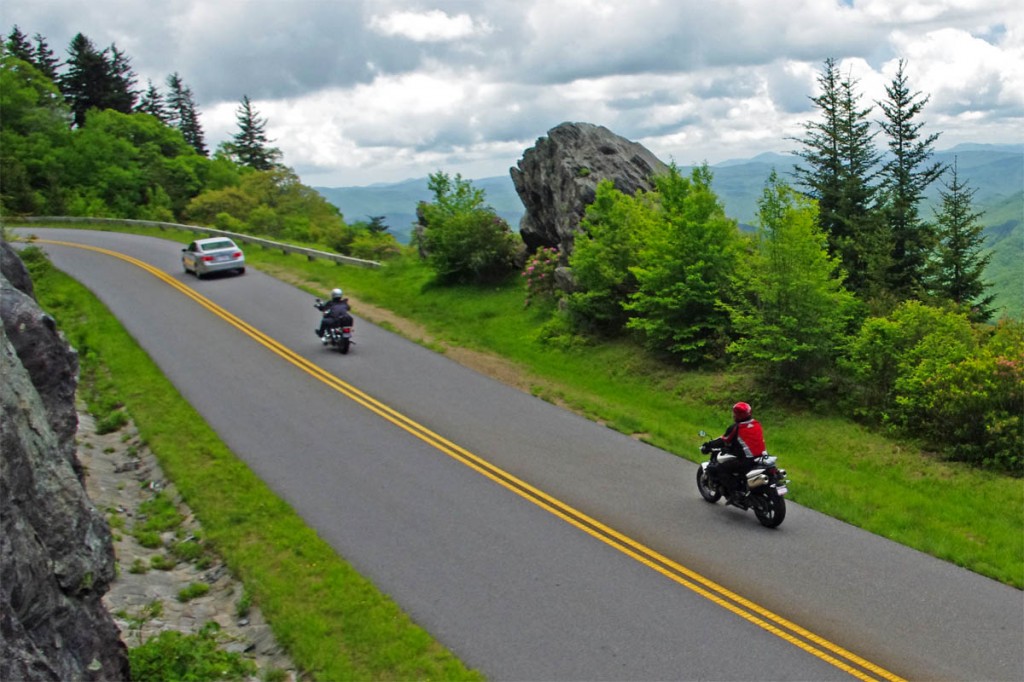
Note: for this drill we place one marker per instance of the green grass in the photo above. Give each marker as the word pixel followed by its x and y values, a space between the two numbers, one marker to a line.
pixel 334 623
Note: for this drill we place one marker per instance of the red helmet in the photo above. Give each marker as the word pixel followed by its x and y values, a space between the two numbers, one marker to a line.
pixel 741 412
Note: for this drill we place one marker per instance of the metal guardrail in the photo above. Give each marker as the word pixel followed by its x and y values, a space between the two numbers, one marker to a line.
pixel 311 254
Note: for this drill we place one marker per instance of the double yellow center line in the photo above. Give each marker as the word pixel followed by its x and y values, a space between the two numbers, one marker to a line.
pixel 763 618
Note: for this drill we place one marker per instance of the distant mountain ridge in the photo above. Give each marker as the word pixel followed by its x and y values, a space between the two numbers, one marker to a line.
pixel 996 172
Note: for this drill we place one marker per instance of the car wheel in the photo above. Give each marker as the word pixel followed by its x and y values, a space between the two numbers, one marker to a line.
pixel 198 274
pixel 241 271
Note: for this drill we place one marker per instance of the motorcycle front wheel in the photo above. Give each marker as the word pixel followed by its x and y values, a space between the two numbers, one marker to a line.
pixel 704 486
pixel 770 508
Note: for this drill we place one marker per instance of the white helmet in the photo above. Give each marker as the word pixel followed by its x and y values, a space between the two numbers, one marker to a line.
pixel 336 293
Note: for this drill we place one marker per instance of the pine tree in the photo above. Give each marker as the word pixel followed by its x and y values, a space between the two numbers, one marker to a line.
pixel 17 45
pixel 45 60
pixel 152 102
pixel 905 176
pixel 85 78
pixel 97 79
pixel 122 95
pixel 182 113
pixel 961 262
pixel 840 156
pixel 250 146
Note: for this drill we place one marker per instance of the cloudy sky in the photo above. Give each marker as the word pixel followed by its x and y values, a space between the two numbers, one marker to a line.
pixel 357 92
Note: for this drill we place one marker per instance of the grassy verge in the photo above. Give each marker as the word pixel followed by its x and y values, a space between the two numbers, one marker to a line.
pixel 890 487
pixel 334 622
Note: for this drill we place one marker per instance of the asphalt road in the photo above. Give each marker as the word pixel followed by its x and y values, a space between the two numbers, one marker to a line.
pixel 533 543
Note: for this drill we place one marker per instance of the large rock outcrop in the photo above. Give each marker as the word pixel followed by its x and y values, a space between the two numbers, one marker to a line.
pixel 56 551
pixel 557 179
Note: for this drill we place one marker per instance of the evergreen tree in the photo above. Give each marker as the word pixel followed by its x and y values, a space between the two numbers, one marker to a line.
pixel 905 176
pixel 840 157
pixel 821 151
pixel 122 94
pixel 250 146
pixel 152 102
pixel 17 45
pixel 961 262
pixel 182 113
pixel 97 79
pixel 85 78
pixel 45 60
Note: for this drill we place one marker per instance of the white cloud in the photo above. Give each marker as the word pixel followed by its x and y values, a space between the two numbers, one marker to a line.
pixel 360 91
pixel 429 27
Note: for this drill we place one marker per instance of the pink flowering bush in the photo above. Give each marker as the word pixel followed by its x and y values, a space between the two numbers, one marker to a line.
pixel 540 274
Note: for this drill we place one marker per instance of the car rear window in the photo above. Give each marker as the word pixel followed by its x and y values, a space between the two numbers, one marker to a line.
pixel 214 246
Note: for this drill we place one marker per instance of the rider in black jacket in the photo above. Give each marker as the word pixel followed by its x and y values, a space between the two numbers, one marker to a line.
pixel 335 313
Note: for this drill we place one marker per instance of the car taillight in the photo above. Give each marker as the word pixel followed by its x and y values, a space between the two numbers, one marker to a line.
pixel 236 254
pixel 207 259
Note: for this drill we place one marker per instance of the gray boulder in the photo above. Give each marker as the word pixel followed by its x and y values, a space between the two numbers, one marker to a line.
pixel 557 179
pixel 56 550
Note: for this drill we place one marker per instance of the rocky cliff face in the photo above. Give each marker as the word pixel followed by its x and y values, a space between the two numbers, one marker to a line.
pixel 557 178
pixel 56 551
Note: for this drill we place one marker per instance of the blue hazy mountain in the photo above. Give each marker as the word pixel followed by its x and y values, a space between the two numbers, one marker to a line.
pixel 995 172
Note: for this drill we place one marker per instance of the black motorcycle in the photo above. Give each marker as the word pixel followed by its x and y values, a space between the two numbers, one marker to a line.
pixel 337 336
pixel 764 488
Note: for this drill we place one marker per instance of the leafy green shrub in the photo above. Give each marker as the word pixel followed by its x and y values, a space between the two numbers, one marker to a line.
pixel 162 562
pixel 477 246
pixel 192 591
pixel 159 513
pixel 882 358
pixel 172 656
pixel 113 421
pixel 464 240
pixel 150 539
pixel 189 549
pixel 975 405
pixel 933 374
pixel 244 604
pixel 376 246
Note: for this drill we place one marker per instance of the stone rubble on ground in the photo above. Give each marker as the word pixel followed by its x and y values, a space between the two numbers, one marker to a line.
pixel 121 474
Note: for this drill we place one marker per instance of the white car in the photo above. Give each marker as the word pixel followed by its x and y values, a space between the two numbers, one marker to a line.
pixel 215 254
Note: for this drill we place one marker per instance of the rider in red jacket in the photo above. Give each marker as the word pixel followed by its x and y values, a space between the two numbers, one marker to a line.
pixel 744 439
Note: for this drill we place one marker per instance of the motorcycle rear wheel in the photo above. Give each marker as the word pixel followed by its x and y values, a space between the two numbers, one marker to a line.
pixel 770 508
pixel 343 346
pixel 704 486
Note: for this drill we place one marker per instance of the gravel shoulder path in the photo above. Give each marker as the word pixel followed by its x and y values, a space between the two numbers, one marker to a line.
pixel 121 474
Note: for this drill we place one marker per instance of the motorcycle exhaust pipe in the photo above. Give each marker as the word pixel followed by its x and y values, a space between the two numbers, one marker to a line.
pixel 756 481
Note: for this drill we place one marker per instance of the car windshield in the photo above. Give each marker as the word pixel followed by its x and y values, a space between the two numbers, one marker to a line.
pixel 216 246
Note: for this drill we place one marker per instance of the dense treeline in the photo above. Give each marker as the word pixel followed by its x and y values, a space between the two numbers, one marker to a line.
pixel 845 297
pixel 78 138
